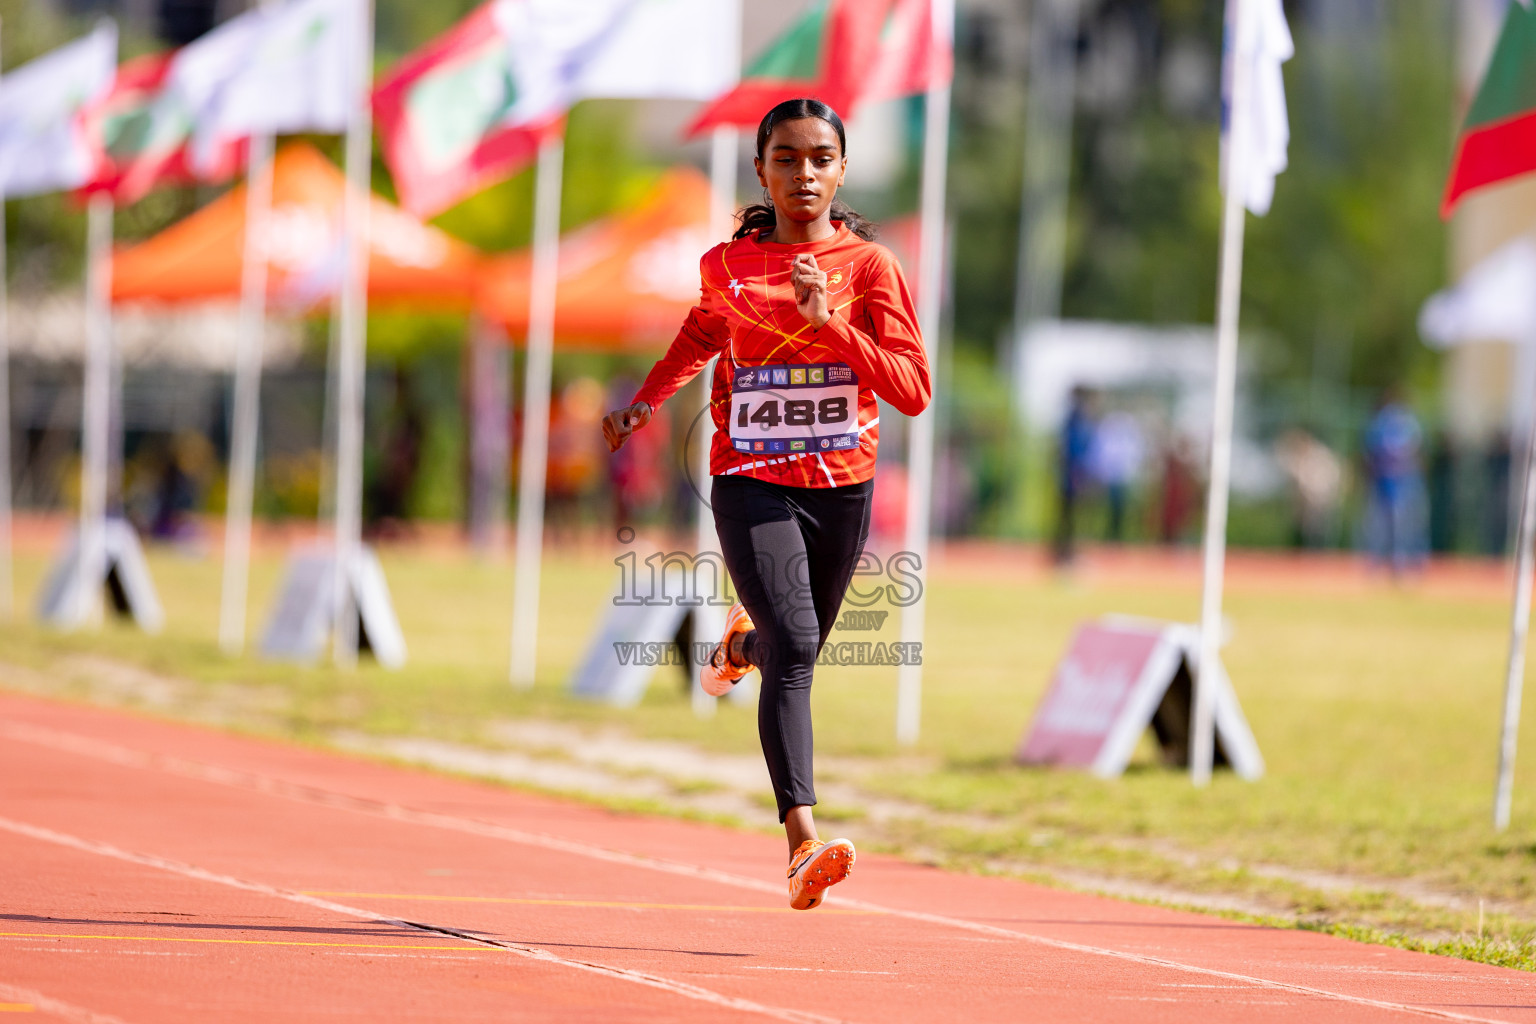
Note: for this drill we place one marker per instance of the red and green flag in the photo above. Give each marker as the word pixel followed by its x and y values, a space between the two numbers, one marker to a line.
pixel 444 116
pixel 1499 138
pixel 844 53
pixel 142 136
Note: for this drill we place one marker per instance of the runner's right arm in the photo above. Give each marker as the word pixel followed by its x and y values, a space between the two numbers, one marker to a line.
pixel 702 337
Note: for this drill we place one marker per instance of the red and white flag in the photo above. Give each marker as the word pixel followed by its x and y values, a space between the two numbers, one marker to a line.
pixel 470 107
pixel 845 53
pixel 43 143
pixel 142 141
pixel 444 116
pixel 187 114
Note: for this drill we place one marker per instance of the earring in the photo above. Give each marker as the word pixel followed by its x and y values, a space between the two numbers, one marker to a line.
pixel 767 199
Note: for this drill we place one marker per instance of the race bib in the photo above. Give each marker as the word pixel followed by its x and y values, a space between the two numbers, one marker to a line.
pixel 801 408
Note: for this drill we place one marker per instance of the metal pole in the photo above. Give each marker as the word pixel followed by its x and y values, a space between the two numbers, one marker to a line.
pixel 326 503
pixel 531 478
pixel 1047 162
pixel 95 411
pixel 909 677
pixel 245 416
pixel 352 354
pixel 1519 629
pixel 7 586
pixel 488 401
pixel 722 187
pixel 709 620
pixel 1522 415
pixel 1234 216
pixel 1043 201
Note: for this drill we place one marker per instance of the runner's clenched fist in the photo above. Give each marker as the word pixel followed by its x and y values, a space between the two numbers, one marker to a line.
pixel 810 283
pixel 619 424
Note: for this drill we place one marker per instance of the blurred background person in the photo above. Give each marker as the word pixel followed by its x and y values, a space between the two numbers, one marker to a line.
pixel 179 489
pixel 1493 524
pixel 637 473
pixel 1181 489
pixel 1073 471
pixel 575 454
pixel 388 500
pixel 1115 458
pixel 1315 476
pixel 1396 524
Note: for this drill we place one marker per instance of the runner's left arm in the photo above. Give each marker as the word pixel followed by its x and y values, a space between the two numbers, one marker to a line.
pixel 892 362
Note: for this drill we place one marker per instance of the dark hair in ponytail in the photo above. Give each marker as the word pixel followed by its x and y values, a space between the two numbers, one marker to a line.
pixel 760 216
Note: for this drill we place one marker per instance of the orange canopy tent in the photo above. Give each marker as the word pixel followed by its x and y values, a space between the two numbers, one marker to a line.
pixel 626 281
pixel 411 264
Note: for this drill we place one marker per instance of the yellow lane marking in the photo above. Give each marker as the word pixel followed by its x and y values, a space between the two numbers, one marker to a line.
pixel 248 942
pixel 609 904
pixel 16 1008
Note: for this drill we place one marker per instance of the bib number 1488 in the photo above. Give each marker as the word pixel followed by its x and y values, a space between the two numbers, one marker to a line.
pixel 796 412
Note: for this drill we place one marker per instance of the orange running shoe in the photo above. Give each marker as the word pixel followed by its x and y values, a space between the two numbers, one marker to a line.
pixel 720 675
pixel 815 867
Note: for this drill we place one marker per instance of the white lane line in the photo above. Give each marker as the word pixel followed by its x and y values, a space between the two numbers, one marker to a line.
pixel 679 988
pixel 47 1004
pixel 92 952
pixel 813 970
pixel 100 750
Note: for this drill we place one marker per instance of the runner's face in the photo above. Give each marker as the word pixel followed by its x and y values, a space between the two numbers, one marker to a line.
pixel 802 168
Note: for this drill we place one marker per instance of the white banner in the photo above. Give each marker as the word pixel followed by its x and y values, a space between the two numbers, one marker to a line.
pixel 43 147
pixel 673 49
pixel 272 70
pixel 1265 45
pixel 549 43
pixel 1494 301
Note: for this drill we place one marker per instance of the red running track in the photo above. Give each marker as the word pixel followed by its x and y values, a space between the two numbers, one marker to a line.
pixel 154 872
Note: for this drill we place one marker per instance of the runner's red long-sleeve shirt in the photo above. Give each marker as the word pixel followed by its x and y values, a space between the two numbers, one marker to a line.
pixel 793 404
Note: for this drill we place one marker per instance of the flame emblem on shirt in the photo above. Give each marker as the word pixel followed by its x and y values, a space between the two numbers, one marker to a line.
pixel 839 278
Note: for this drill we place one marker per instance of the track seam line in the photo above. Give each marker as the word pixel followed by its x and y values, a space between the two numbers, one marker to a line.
pixel 315 796
pixel 680 988
pixel 70 1012
pixel 234 942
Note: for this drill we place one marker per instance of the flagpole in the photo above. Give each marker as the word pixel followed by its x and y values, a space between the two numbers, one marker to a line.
pixel 909 676
pixel 723 146
pixel 7 584
pixel 722 190
pixel 326 501
pixel 488 400
pixel 1202 745
pixel 1047 168
pixel 6 576
pixel 1519 628
pixel 1519 631
pixel 351 355
pixel 245 416
pixel 96 401
pixel 536 382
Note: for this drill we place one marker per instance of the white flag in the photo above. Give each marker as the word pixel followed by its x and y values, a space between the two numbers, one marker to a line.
pixel 1495 300
pixel 1265 134
pixel 559 52
pixel 673 49
pixel 42 145
pixel 549 44
pixel 278 70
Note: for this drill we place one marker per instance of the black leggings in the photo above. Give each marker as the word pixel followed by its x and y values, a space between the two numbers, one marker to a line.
pixel 791 552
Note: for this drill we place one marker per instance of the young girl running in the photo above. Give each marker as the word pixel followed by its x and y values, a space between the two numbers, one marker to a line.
pixel 812 321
